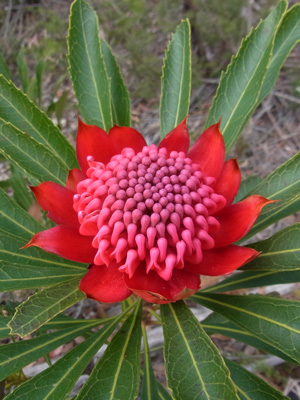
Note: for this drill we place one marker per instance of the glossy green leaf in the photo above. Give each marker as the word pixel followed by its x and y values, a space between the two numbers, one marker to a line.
pixel 4 70
pixel 4 330
pixel 272 320
pixel 283 185
pixel 22 194
pixel 176 80
pixel 16 229
pixel 87 66
pixel 245 280
pixel 194 367
pixel 32 157
pixel 249 386
pixel 15 356
pixel 162 392
pixel 57 381
pixel 15 220
pixel 246 186
pixel 149 388
pixel 44 305
pixel 62 321
pixel 217 324
pixel 116 375
pixel 11 252
pixel 22 113
pixel 19 276
pixel 120 100
pixel 280 252
pixel 240 86
pixel 287 37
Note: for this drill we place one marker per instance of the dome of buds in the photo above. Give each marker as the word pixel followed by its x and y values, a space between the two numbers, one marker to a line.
pixel 148 206
pixel 148 219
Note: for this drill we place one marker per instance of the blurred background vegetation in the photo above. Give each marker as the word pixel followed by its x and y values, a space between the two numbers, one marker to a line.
pixel 33 32
pixel 33 53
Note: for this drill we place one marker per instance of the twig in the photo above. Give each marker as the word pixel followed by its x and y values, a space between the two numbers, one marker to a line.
pixel 287 97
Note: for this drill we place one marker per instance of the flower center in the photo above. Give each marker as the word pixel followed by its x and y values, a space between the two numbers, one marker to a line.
pixel 148 207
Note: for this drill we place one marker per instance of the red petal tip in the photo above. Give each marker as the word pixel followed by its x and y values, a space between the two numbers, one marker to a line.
pixel 29 244
pixel 209 151
pixel 177 139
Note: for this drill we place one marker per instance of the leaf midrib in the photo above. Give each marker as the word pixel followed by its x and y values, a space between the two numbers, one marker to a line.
pixel 91 67
pixel 237 282
pixel 35 130
pixel 181 81
pixel 252 314
pixel 32 159
pixel 249 82
pixel 36 316
pixel 189 350
pixel 56 339
pixel 70 369
pixel 40 259
pixel 123 351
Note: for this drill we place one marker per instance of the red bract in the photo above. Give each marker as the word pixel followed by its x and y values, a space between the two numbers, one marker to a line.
pixel 148 220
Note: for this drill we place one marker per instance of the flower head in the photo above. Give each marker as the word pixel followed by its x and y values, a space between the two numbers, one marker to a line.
pixel 149 220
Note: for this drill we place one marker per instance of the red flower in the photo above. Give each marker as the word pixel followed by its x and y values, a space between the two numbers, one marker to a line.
pixel 148 220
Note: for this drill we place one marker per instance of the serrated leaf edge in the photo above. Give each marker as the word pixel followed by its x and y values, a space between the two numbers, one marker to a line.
pixel 20 306
pixel 44 143
pixel 229 67
pixel 167 52
pixel 101 57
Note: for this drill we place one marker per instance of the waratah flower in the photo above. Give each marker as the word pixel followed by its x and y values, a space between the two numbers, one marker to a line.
pixel 149 220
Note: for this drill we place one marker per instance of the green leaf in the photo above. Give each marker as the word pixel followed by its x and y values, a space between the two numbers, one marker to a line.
pixel 176 80
pixel 280 252
pixel 162 392
pixel 240 86
pixel 16 229
pixel 87 67
pixel 23 114
pixel 272 320
pixel 11 252
pixel 149 388
pixel 43 306
pixel 15 220
pixel 288 35
pixel 245 280
pixel 62 321
pixel 57 381
pixel 247 185
pixel 22 194
pixel 19 276
pixel 116 375
pixel 217 324
pixel 31 156
pixel 249 386
pixel 194 366
pixel 23 71
pixel 15 356
pixel 283 184
pixel 4 330
pixel 4 70
pixel 120 101
pixel 5 184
